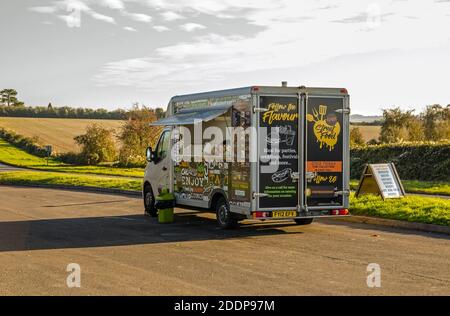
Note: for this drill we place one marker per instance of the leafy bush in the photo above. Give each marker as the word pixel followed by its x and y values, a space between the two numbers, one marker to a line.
pixel 414 161
pixel 436 120
pixel 71 158
pixel 136 135
pixel 97 145
pixel 356 138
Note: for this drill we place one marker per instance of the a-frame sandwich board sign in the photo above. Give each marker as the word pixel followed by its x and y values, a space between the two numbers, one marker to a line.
pixel 381 179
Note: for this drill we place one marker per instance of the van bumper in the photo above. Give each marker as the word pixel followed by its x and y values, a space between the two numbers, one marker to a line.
pixel 284 215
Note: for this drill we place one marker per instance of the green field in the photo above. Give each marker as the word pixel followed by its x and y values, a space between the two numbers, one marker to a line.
pixel 14 156
pixel 53 178
pixel 419 209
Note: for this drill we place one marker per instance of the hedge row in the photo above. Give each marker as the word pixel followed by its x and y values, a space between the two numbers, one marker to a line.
pixel 414 161
pixel 25 143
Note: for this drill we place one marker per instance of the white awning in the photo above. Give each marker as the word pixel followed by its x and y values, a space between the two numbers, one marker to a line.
pixel 191 116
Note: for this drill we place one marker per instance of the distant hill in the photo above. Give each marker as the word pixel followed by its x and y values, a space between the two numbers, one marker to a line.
pixel 358 118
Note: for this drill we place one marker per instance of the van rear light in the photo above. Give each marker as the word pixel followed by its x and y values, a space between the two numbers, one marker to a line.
pixel 344 91
pixel 260 214
pixel 342 211
pixel 255 88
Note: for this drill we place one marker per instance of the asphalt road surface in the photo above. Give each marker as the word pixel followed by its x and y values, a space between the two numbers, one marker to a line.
pixel 6 168
pixel 122 252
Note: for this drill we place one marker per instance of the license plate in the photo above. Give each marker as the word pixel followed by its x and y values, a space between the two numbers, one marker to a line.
pixel 284 214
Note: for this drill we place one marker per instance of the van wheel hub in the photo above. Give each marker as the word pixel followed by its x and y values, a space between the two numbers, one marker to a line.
pixel 148 199
pixel 223 214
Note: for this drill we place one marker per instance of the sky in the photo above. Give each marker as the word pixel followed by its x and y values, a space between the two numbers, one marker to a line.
pixel 111 53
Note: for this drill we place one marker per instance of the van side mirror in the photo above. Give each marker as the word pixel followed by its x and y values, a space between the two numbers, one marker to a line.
pixel 149 154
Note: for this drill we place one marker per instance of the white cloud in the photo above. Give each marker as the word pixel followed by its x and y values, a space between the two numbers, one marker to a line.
pixel 102 17
pixel 130 29
pixel 70 5
pixel 43 9
pixel 171 16
pixel 65 8
pixel 70 20
pixel 113 4
pixel 160 28
pixel 284 42
pixel 139 17
pixel 211 7
pixel 190 27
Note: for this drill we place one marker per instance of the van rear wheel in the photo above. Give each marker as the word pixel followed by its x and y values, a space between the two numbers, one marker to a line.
pixel 224 217
pixel 149 201
pixel 303 221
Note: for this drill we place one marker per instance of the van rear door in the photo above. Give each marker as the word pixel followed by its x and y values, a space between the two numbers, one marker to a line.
pixel 325 152
pixel 278 154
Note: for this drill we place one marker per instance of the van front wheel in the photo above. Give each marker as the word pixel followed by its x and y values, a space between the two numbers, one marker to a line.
pixel 303 221
pixel 149 201
pixel 225 218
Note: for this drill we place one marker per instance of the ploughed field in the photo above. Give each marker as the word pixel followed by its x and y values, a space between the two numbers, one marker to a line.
pixel 58 132
pixel 368 132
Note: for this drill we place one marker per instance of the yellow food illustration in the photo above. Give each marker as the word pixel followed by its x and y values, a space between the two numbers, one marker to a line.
pixel 326 131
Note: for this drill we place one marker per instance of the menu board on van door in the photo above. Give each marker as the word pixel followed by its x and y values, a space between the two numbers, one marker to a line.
pixel 279 185
pixel 324 151
pixel 382 179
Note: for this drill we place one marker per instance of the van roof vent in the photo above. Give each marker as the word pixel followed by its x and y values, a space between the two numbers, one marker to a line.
pixel 284 83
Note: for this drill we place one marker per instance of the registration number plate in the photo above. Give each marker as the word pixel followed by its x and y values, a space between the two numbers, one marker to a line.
pixel 276 214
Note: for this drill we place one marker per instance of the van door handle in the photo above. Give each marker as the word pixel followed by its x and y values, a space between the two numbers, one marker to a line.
pixel 255 194
pixel 164 168
pixel 345 111
pixel 343 192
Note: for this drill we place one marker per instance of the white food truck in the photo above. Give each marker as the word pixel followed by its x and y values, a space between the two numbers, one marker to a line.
pixel 259 152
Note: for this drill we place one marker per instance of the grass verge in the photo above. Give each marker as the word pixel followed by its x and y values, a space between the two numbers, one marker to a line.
pixel 428 210
pixel 52 178
pixel 415 186
pixel 420 209
pixel 12 155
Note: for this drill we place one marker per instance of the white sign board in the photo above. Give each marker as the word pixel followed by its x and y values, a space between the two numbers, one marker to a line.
pixel 387 180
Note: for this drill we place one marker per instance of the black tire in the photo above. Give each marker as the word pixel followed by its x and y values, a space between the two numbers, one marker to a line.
pixel 149 201
pixel 303 221
pixel 224 217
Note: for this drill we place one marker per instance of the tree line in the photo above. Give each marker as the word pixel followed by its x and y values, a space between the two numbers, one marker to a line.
pixel 433 124
pixel 10 106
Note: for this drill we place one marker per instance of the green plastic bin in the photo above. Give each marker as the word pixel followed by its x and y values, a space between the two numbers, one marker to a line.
pixel 165 203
